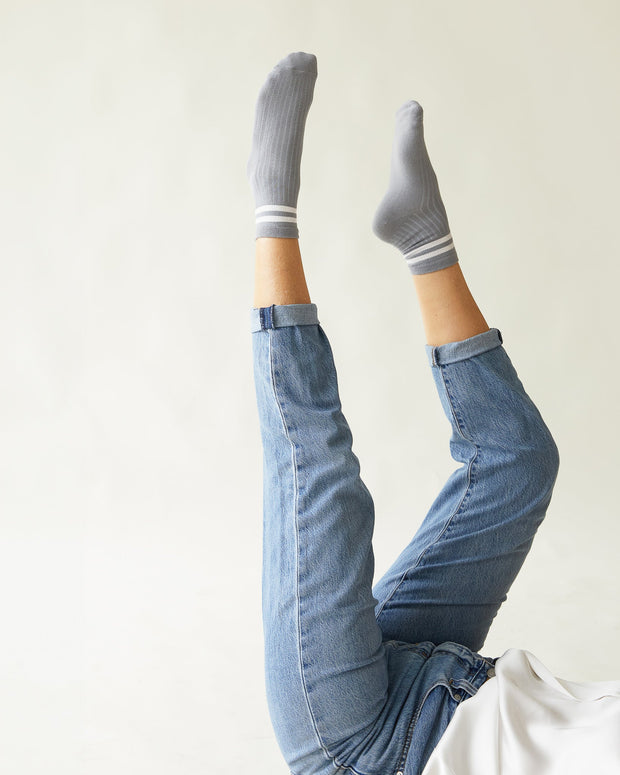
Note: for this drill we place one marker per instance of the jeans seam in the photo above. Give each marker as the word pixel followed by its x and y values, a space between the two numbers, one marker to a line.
pixel 331 757
pixel 460 426
pixel 296 522
pixel 334 757
pixel 470 481
pixel 414 721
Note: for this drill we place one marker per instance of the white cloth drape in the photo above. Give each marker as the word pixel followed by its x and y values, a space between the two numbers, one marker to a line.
pixel 525 721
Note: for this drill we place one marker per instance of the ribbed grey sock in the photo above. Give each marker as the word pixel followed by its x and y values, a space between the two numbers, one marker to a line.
pixel 411 215
pixel 274 165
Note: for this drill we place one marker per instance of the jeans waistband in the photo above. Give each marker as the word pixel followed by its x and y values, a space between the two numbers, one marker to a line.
pixel 477 664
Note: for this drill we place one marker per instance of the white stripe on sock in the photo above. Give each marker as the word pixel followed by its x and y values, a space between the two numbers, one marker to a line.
pixel 419 259
pixel 277 219
pixel 428 245
pixel 279 208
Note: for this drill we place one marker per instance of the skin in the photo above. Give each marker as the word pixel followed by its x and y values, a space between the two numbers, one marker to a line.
pixel 449 312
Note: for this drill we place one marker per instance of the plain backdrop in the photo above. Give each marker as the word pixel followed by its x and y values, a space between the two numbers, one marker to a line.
pixel 130 458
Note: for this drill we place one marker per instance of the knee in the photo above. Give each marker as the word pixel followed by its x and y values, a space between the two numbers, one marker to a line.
pixel 547 458
pixel 539 463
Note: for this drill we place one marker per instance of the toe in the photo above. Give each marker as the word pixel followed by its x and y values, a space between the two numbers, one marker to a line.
pixel 299 60
pixel 411 109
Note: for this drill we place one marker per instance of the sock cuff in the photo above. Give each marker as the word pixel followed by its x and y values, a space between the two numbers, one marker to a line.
pixel 276 221
pixel 276 214
pixel 438 254
pixel 434 248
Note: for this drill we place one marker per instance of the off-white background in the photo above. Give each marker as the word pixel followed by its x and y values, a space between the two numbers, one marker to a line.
pixel 130 460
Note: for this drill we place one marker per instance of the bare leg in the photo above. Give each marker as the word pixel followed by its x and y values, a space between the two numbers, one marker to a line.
pixel 279 273
pixel 449 312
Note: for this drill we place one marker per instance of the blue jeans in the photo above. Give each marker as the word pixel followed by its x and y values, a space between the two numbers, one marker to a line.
pixel 366 680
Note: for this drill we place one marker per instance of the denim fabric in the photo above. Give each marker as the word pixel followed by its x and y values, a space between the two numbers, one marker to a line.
pixel 366 680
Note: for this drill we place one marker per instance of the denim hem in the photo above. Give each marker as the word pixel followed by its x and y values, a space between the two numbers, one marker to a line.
pixel 281 315
pixel 467 348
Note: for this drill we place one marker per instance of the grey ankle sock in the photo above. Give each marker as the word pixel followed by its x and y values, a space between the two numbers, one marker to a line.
pixel 274 165
pixel 411 215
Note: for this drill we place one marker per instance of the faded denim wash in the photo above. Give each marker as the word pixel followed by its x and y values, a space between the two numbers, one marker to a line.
pixel 363 680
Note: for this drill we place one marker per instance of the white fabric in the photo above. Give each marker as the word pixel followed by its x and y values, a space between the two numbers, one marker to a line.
pixel 268 208
pixel 428 245
pixel 525 721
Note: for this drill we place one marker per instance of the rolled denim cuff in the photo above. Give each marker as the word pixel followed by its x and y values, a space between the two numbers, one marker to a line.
pixel 467 348
pixel 281 315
